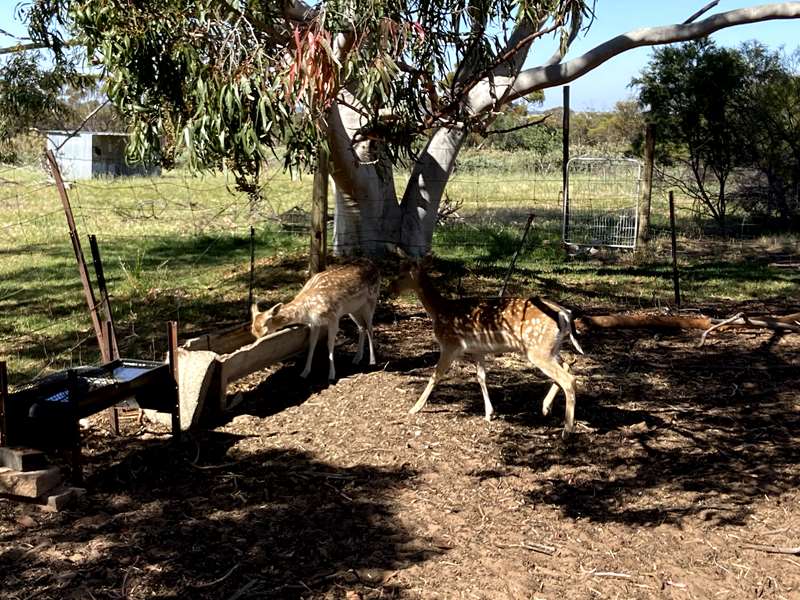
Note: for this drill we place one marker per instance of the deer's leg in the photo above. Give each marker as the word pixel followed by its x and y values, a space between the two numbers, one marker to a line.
pixel 367 314
pixel 567 383
pixel 548 399
pixel 446 358
pixel 487 404
pixel 547 403
pixel 333 329
pixel 313 336
pixel 359 321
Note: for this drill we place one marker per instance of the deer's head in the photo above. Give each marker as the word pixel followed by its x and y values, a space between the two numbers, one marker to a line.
pixel 269 321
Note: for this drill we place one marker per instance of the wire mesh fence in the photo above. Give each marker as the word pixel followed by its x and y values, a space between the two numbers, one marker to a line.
pixel 174 247
pixel 177 247
pixel 602 202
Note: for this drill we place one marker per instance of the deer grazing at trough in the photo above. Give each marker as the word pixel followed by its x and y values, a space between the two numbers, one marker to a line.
pixel 341 289
pixel 534 327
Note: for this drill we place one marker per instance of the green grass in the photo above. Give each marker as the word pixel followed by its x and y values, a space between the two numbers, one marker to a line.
pixel 177 247
pixel 173 248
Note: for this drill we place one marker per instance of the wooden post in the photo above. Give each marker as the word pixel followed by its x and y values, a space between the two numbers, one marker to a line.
pixel 675 281
pixel 76 458
pixel 76 247
pixel 3 400
pixel 565 161
pixel 172 340
pixel 319 216
pixel 252 268
pixel 647 185
pixel 105 303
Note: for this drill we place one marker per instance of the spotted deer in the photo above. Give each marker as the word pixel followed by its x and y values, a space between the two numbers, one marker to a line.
pixel 342 289
pixel 534 327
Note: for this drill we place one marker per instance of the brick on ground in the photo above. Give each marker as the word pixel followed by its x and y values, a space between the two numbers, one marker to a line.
pixel 22 459
pixel 30 484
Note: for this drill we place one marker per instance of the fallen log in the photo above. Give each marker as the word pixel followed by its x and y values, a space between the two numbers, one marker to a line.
pixel 643 321
pixel 786 323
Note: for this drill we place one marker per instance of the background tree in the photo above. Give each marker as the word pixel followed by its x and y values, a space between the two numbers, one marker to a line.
pixel 30 97
pixel 771 119
pixel 694 92
pixel 230 80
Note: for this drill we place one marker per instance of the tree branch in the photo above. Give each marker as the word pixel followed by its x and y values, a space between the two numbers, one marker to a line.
pixel 518 127
pixel 17 48
pixel 701 12
pixel 539 78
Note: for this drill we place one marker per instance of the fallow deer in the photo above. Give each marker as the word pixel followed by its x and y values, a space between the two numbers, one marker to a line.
pixel 342 289
pixel 476 327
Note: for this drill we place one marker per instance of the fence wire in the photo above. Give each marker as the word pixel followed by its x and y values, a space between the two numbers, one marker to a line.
pixel 177 247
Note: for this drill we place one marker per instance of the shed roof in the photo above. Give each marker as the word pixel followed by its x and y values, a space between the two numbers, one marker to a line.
pixel 80 133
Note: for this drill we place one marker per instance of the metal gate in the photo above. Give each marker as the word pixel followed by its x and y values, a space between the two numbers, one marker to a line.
pixel 601 202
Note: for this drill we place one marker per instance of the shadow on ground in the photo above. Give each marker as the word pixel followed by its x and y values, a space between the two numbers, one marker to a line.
pixel 706 431
pixel 208 523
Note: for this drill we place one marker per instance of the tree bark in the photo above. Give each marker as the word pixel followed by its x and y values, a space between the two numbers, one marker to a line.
pixel 420 205
pixel 367 214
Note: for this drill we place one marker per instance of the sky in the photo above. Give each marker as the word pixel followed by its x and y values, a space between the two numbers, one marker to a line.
pixel 601 88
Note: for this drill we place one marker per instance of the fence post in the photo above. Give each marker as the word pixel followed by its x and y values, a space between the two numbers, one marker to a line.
pixel 565 161
pixel 172 341
pixel 675 280
pixel 105 303
pixel 76 247
pixel 252 268
pixel 319 216
pixel 3 399
pixel 643 235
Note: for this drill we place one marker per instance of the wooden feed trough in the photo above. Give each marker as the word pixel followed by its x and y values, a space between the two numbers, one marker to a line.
pixel 209 363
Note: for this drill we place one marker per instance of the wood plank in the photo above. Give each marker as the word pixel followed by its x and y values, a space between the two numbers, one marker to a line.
pixel 31 484
pixel 224 341
pixel 274 348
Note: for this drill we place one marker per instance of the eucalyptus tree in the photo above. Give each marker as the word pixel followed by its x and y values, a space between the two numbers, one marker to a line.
pixel 696 93
pixel 362 84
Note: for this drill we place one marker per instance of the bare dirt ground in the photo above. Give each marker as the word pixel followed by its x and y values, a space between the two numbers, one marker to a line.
pixel 682 457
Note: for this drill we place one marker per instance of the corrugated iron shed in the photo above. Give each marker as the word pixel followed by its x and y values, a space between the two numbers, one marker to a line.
pixel 91 154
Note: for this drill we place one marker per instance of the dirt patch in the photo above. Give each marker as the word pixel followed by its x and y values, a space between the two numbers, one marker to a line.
pixel 682 456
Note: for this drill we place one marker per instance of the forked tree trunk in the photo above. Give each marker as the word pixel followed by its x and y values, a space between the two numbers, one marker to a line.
pixel 367 214
pixel 420 206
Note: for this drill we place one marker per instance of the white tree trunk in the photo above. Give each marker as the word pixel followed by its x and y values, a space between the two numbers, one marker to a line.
pixel 432 170
pixel 425 188
pixel 367 214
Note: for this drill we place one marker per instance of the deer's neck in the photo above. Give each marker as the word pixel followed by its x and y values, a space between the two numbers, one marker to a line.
pixel 295 313
pixel 435 304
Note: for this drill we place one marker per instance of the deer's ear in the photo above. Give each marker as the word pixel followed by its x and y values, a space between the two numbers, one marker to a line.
pixel 395 249
pixel 254 310
pixel 275 309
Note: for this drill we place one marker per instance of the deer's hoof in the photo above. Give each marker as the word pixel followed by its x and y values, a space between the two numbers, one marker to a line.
pixel 546 410
pixel 304 374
